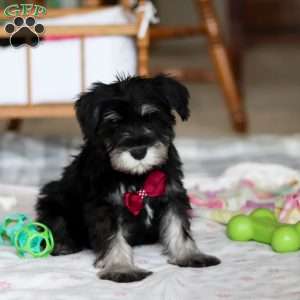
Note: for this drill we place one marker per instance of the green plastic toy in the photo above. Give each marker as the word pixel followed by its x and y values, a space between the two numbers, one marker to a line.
pixel 28 237
pixel 262 226
pixel 35 239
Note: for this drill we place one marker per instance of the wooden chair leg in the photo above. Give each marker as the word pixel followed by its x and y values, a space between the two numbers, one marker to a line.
pixel 222 66
pixel 143 55
pixel 14 124
pixel 237 39
pixel 143 43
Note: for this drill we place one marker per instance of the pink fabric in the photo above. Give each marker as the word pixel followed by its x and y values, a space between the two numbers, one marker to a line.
pixel 208 203
pixel 59 37
pixel 291 202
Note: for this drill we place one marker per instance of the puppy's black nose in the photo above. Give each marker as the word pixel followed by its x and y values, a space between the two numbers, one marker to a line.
pixel 138 152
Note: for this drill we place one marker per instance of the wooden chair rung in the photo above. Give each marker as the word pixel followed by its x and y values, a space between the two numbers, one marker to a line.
pixel 167 32
pixel 37 111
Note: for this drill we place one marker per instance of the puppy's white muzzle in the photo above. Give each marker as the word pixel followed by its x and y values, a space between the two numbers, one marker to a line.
pixel 140 159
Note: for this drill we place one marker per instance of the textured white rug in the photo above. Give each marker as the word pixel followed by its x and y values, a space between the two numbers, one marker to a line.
pixel 248 271
pixel 27 161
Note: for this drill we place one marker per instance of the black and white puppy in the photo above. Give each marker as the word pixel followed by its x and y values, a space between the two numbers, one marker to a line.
pixel 128 133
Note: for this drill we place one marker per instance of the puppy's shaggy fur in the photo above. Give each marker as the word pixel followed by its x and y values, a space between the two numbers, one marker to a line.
pixel 128 131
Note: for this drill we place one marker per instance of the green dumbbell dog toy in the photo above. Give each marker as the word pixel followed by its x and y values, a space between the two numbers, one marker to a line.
pixel 262 226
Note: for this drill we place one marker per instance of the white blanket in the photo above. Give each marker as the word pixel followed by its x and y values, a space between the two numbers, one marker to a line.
pixel 249 271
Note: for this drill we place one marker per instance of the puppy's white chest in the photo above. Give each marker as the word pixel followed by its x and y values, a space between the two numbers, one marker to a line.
pixel 149 218
pixel 117 196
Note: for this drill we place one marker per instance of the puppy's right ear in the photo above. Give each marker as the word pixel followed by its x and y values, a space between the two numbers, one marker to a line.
pixel 174 93
pixel 88 112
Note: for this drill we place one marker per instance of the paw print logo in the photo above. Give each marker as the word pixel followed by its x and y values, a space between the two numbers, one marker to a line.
pixel 24 31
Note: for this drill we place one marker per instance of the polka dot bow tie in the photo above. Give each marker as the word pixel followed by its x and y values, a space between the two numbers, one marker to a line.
pixel 154 186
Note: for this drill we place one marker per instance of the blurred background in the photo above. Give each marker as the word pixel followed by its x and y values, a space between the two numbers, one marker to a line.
pixel 261 43
pixel 262 37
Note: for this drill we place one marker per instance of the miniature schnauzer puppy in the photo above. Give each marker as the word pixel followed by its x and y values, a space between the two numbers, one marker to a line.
pixel 125 186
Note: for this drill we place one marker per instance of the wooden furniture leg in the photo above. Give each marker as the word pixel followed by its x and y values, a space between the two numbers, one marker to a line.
pixel 143 55
pixel 142 47
pixel 236 16
pixel 222 65
pixel 14 124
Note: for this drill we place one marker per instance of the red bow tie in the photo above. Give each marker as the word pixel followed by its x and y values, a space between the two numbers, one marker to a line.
pixel 154 186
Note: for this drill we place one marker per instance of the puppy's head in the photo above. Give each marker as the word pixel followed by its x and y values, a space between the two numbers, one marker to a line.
pixel 133 119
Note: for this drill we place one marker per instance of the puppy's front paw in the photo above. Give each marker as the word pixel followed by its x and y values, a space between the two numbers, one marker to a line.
pixel 122 275
pixel 197 261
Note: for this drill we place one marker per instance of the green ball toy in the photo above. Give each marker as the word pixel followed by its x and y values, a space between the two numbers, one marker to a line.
pixel 29 238
pixel 34 239
pixel 262 226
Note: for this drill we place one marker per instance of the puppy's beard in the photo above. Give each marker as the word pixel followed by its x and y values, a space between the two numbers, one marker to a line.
pixel 124 162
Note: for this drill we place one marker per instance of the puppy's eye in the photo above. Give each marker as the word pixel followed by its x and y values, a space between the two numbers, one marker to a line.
pixel 111 118
pixel 148 117
pixel 147 109
pixel 114 121
pixel 154 115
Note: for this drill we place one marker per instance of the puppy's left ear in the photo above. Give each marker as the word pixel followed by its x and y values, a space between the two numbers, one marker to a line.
pixel 176 94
